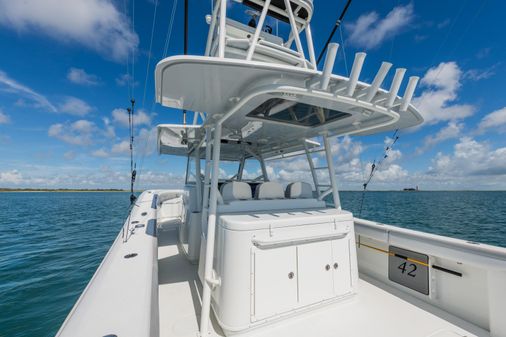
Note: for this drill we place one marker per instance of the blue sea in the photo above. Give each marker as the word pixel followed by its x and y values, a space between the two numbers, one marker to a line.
pixel 51 243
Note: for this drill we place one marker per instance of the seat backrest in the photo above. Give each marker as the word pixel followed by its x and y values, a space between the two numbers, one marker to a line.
pixel 235 190
pixel 299 190
pixel 269 190
pixel 239 30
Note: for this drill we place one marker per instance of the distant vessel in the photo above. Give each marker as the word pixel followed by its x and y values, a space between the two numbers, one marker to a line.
pixel 411 189
pixel 245 256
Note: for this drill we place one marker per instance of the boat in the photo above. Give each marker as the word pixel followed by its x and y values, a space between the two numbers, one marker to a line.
pixel 247 256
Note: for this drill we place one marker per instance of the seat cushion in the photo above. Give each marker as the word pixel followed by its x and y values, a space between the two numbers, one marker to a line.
pixel 299 190
pixel 269 190
pixel 235 190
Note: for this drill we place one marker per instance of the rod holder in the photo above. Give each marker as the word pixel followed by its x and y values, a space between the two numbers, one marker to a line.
pixel 394 88
pixel 378 79
pixel 355 73
pixel 328 65
pixel 408 94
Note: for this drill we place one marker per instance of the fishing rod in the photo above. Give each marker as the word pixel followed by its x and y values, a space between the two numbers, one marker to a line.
pixel 337 24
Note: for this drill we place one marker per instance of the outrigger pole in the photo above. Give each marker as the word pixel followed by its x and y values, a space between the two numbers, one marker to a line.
pixel 338 23
pixel 185 43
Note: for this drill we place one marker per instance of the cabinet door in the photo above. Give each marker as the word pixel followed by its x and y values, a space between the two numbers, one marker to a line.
pixel 275 281
pixel 315 272
pixel 341 266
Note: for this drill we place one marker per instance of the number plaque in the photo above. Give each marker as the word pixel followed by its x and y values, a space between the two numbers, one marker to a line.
pixel 408 268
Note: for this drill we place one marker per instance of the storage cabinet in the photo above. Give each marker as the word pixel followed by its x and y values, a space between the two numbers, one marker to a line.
pixel 341 266
pixel 275 281
pixel 290 277
pixel 315 272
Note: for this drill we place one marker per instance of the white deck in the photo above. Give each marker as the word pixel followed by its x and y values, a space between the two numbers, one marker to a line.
pixel 179 290
pixel 373 312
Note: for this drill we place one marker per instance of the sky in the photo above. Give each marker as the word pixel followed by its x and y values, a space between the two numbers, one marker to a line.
pixel 66 77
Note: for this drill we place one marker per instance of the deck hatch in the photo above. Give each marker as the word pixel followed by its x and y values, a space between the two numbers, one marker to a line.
pixel 301 114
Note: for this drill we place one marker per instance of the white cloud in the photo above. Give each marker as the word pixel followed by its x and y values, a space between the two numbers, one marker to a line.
pixel 350 170
pixel 83 126
pixel 100 153
pixel 437 101
pixel 369 31
pixel 451 131
pixel 480 74
pixel 109 130
pixel 483 53
pixel 96 24
pixel 122 147
pixel 10 85
pixel 74 106
pixel 389 173
pixel 347 163
pixel 80 76
pixel 494 120
pixel 120 116
pixel 4 119
pixel 470 158
pixel 11 177
pixel 126 79
pixel 145 141
pixel 70 155
pixel 443 23
pixel 87 177
pixel 77 133
pixel 159 180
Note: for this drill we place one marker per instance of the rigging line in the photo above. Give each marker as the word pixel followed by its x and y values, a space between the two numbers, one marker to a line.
pixel 149 54
pixel 344 52
pixel 470 23
pixel 169 29
pixel 393 38
pixel 147 139
pixel 125 12
pixel 132 82
pixel 133 172
pixel 375 166
pixel 455 19
pixel 336 25
pixel 143 153
pixel 464 33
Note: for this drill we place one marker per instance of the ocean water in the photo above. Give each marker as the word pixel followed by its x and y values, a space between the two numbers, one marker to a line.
pixel 52 243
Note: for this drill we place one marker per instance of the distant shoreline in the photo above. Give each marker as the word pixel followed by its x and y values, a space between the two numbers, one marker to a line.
pixel 62 190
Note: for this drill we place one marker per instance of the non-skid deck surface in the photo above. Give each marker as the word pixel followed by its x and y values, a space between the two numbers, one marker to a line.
pixel 374 312
pixel 179 290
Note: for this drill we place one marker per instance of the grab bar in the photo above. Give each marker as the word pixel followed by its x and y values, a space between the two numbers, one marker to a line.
pixel 270 243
